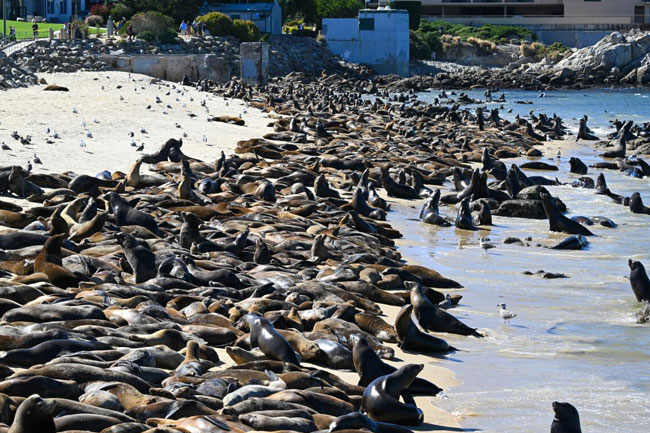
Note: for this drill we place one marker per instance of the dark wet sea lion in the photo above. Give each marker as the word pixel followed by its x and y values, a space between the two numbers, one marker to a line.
pixel 637 206
pixel 432 318
pixel 125 215
pixel 484 217
pixel 275 423
pixel 639 281
pixel 381 398
pixel 34 415
pixel 269 340
pixel 577 166
pixel 89 422
pixel 464 217
pixel 602 189
pixel 575 242
pixel 411 338
pixel 430 213
pixel 395 189
pixel 558 222
pixel 141 259
pixel 566 420
pixel 357 421
pixel 370 366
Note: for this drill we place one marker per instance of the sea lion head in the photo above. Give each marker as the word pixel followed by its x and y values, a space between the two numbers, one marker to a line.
pixel 567 415
pixel 34 415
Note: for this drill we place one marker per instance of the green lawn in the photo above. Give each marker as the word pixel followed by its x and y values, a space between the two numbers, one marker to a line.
pixel 24 29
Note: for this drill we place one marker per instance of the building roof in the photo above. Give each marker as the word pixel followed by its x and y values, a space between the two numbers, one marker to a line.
pixel 243 7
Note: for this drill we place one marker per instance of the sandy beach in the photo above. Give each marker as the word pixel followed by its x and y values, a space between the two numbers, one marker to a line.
pixel 111 105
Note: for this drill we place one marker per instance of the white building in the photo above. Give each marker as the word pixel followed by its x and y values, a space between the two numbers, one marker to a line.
pixel 377 38
pixel 53 10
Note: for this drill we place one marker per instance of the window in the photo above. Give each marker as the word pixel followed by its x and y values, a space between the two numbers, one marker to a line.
pixel 50 6
pixel 367 24
pixel 63 7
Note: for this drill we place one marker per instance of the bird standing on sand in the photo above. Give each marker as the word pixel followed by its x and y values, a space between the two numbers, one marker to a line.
pixel 37 160
pixel 140 148
pixel 558 155
pixel 82 144
pixel 5 147
pixel 506 314
pixel 485 244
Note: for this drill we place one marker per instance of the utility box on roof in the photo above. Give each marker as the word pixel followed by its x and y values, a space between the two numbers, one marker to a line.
pixel 378 38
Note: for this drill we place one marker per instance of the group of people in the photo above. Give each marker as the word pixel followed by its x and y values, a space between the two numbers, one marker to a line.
pixel 196 28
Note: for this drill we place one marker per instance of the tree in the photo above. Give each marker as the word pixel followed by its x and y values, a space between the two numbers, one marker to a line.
pixel 179 10
pixel 337 8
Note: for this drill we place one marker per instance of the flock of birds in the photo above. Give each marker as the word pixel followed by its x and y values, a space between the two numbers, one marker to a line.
pixel 176 91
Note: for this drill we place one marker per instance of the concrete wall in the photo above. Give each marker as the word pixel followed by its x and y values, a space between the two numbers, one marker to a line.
pixel 385 49
pixel 173 67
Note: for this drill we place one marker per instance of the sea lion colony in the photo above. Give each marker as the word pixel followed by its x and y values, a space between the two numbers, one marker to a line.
pixel 117 288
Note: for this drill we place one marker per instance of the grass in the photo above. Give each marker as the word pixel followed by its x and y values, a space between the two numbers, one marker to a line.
pixel 24 29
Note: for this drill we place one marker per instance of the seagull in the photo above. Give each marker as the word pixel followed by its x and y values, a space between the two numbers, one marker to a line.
pixel 558 155
pixel 56 134
pixel 121 98
pixel 446 303
pixel 74 111
pixel 133 143
pixel 184 134
pixel 485 244
pixel 37 160
pixel 506 314
pixel 89 134
pixel 29 166
pixel 82 144
pixel 142 130
pixel 47 130
pixel 83 124
pixel 5 147
pixel 95 120
pixel 131 134
pixel 140 148
pixel 204 139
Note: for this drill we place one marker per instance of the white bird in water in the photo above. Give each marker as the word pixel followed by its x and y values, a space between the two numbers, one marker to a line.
pixel 505 313
pixel 446 303
pixel 485 244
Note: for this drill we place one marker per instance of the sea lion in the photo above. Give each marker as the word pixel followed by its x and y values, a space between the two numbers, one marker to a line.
pixel 575 242
pixel 191 366
pixel 432 318
pixel 484 217
pixel 269 340
pixel 411 338
pixel 601 189
pixel 430 214
pixel 395 189
pixel 34 415
pixel 636 204
pixel 639 280
pixel 577 166
pixel 357 421
pixel 369 366
pixel 141 259
pixel 464 217
pixel 558 222
pixel 125 215
pixel 255 391
pixel 566 420
pixel 381 398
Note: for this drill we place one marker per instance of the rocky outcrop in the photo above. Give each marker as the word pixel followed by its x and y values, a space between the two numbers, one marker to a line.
pixel 12 75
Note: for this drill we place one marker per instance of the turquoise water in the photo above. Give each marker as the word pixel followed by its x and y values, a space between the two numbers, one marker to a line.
pixel 574 339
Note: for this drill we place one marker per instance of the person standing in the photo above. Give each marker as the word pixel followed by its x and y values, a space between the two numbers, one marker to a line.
pixel 35 29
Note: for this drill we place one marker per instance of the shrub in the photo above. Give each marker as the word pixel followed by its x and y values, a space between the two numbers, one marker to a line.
pixel 419 48
pixel 153 21
pixel 337 8
pixel 94 21
pixel 217 23
pixel 120 10
pixel 483 46
pixel 167 36
pixel 102 10
pixel 538 50
pixel 245 31
pixel 432 40
pixel 147 35
pixel 414 9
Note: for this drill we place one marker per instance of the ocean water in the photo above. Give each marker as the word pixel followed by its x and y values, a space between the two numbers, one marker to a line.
pixel 574 339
